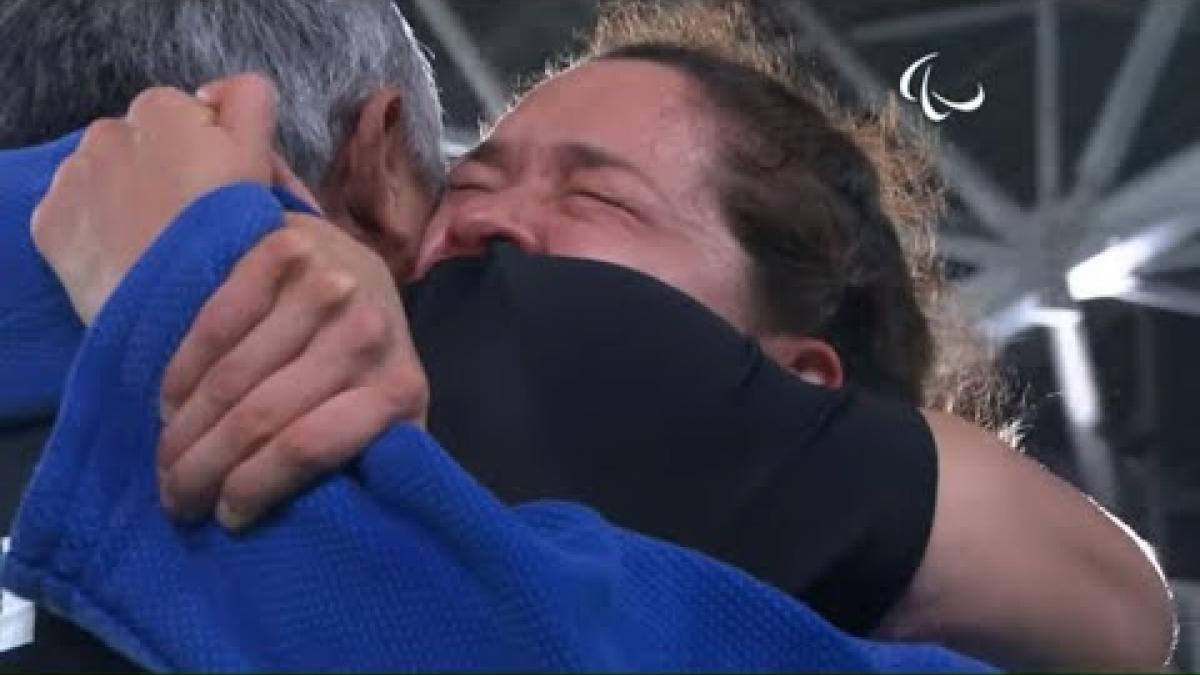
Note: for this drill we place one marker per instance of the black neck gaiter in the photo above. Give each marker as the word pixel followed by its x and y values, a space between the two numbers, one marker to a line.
pixel 572 379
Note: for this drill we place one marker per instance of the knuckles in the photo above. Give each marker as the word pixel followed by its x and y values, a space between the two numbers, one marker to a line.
pixel 404 390
pixel 222 387
pixel 290 247
pixel 330 288
pixel 156 98
pixel 214 334
pixel 102 136
pixel 304 456
pixel 369 328
pixel 252 423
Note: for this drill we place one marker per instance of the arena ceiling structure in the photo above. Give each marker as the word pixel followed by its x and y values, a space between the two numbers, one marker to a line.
pixel 1075 222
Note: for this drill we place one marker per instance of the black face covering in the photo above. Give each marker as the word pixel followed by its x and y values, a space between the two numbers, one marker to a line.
pixel 572 379
pixel 566 378
pixel 556 378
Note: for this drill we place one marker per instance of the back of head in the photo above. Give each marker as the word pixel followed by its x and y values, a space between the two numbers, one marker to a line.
pixel 837 206
pixel 67 62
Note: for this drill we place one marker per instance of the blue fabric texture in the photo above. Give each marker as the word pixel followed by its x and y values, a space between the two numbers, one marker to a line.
pixel 39 331
pixel 401 562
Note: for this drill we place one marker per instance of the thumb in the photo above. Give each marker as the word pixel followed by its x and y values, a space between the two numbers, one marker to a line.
pixel 247 107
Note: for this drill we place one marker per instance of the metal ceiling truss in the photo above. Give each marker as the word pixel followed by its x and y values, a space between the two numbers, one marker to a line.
pixel 1080 241
pixel 1066 226
pixel 485 83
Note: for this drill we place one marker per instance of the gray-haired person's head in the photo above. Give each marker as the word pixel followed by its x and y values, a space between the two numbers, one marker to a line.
pixel 65 63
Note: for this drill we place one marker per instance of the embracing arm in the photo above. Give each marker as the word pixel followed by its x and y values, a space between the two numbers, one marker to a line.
pixel 1023 570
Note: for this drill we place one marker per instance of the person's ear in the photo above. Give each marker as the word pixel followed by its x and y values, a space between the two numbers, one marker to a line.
pixel 813 360
pixel 374 188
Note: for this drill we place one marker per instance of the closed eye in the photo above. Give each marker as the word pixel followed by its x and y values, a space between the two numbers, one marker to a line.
pixel 467 187
pixel 472 177
pixel 605 200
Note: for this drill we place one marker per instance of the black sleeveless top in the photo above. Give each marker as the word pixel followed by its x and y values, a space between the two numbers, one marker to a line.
pixel 570 379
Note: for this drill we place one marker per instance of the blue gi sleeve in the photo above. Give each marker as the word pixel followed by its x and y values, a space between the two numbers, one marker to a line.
pixel 39 331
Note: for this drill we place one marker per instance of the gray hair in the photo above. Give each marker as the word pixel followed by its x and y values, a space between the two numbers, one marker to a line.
pixel 66 62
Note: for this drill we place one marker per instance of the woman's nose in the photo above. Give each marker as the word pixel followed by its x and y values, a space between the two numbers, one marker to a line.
pixel 468 232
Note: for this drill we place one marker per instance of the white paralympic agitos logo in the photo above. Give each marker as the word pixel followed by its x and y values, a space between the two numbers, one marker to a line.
pixel 927 106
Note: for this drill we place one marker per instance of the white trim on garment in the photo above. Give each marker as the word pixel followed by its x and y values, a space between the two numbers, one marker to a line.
pixel 16 614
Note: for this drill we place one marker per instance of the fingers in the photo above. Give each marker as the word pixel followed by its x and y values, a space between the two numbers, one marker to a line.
pixel 238 305
pixel 258 382
pixel 158 109
pixel 317 443
pixel 300 311
pixel 247 106
pixel 334 360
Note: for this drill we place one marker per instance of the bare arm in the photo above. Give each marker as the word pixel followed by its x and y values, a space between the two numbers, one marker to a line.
pixel 1023 570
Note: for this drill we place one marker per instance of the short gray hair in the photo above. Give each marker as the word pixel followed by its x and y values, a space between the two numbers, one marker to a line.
pixel 66 62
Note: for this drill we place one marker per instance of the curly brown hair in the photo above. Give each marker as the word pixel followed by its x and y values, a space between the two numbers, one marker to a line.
pixel 838 206
pixel 964 377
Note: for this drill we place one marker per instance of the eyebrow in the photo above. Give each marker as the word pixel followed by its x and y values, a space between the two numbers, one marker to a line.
pixel 491 153
pixel 570 156
pixel 583 156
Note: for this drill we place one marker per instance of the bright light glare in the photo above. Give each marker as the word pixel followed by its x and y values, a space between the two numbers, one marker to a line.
pixel 1073 364
pixel 1099 278
pixel 1112 272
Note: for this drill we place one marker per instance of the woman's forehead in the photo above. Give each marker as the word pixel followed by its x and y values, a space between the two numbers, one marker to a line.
pixel 637 109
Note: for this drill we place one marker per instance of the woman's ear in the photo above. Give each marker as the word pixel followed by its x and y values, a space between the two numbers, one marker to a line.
pixel 374 188
pixel 812 360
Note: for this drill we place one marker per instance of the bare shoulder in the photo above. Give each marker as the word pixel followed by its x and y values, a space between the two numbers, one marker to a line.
pixel 960 438
pixel 1022 567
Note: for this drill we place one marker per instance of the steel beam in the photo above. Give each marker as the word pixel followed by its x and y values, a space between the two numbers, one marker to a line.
pixel 457 141
pixel 954 18
pixel 1075 371
pixel 1163 193
pixel 1184 257
pixel 1164 296
pixel 1048 119
pixel 480 76
pixel 1129 95
pixel 1004 323
pixel 974 250
pixel 1115 269
pixel 994 289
